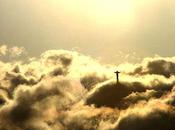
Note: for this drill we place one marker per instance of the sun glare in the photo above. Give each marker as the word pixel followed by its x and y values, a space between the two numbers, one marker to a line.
pixel 113 11
pixel 112 6
pixel 100 11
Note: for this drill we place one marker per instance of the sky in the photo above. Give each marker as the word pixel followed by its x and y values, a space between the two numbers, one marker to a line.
pixel 110 30
pixel 58 58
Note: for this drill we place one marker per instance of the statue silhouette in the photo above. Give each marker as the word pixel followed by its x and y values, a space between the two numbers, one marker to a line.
pixel 117 76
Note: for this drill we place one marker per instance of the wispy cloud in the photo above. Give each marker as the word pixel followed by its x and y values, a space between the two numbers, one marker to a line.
pixel 14 51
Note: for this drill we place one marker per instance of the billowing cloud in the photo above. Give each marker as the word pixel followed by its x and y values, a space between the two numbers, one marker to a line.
pixel 156 65
pixel 147 116
pixel 67 90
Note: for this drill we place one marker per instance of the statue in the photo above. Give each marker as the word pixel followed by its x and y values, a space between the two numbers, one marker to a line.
pixel 117 76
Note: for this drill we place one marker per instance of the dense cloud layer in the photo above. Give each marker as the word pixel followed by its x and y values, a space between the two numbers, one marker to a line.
pixel 63 90
pixel 158 66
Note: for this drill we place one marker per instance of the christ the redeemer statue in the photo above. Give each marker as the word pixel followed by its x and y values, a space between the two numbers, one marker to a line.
pixel 117 76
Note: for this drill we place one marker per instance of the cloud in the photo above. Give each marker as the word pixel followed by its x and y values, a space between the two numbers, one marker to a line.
pixel 68 90
pixel 147 116
pixel 14 51
pixel 92 79
pixel 30 103
pixel 87 117
pixel 125 93
pixel 156 65
pixel 3 50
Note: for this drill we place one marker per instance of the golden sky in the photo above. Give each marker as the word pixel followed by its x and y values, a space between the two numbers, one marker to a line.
pixel 51 77
pixel 109 29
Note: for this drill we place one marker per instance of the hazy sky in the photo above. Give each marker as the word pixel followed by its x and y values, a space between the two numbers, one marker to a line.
pixel 109 29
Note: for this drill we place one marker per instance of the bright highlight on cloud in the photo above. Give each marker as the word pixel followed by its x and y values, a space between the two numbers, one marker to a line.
pixel 63 90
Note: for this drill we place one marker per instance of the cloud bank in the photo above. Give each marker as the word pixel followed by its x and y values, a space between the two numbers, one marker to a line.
pixel 66 90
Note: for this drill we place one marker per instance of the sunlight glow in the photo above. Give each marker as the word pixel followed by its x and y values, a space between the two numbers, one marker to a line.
pixel 100 11
pixel 112 11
